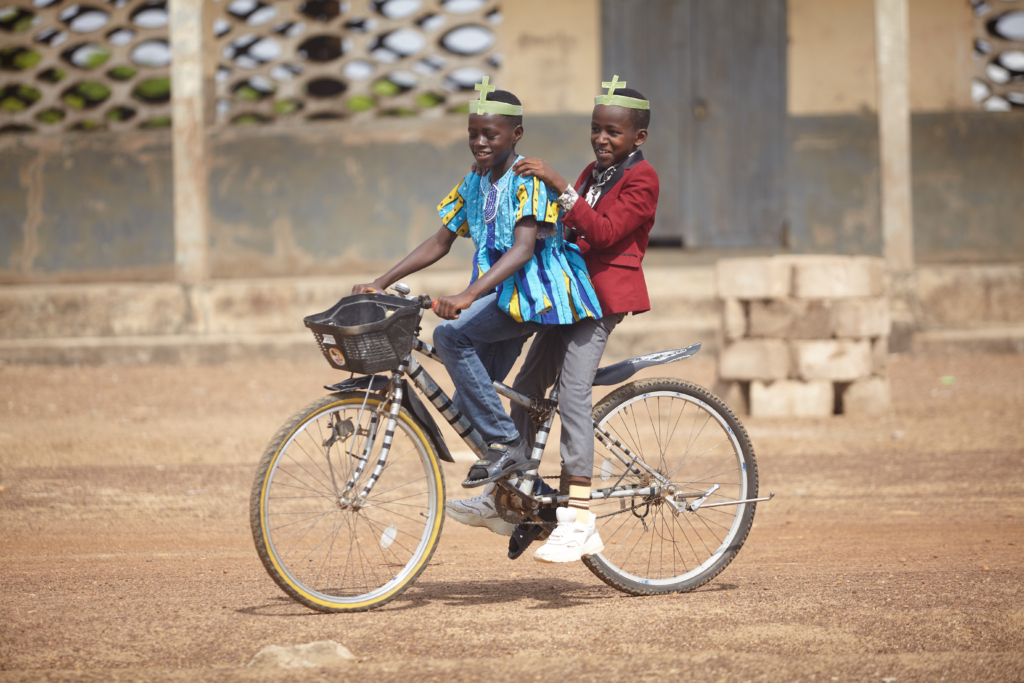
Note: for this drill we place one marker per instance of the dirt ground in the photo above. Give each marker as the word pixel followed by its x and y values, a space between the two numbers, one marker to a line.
pixel 892 551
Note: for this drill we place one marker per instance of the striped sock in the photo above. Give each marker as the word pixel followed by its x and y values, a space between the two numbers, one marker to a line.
pixel 579 500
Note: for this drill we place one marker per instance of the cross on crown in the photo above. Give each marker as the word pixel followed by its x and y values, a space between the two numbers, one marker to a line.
pixel 485 106
pixel 611 86
pixel 611 99
pixel 484 88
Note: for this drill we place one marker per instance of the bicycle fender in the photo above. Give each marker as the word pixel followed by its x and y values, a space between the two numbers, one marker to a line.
pixel 410 401
pixel 372 382
pixel 623 370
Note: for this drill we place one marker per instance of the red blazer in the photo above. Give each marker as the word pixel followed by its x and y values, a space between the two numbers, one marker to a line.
pixel 613 235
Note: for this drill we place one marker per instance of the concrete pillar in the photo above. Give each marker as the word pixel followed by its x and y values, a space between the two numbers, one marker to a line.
pixel 892 64
pixel 191 201
pixel 893 76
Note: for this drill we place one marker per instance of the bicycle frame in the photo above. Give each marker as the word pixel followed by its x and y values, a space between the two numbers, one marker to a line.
pixel 522 487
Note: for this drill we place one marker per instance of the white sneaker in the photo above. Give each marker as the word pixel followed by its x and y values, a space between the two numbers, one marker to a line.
pixel 479 511
pixel 571 540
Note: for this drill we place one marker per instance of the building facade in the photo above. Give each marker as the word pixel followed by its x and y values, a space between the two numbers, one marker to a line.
pixel 329 130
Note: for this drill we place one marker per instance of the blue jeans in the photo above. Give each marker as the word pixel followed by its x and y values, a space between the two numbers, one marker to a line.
pixel 480 346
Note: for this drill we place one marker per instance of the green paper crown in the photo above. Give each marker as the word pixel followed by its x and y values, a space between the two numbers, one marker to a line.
pixel 484 106
pixel 620 100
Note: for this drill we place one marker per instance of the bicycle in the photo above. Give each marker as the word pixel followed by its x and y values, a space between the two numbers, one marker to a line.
pixel 345 519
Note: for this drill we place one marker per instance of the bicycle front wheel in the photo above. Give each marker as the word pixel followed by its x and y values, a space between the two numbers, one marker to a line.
pixel 687 435
pixel 320 544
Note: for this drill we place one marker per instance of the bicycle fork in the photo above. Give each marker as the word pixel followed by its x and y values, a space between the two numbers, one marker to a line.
pixel 356 502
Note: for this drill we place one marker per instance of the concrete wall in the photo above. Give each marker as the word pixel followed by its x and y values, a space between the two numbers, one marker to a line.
pixel 336 197
pixel 832 56
pixel 968 186
pixel 832 185
pixel 968 175
pixel 86 207
pixel 331 200
pixel 326 200
pixel 967 170
pixel 93 206
pixel 554 64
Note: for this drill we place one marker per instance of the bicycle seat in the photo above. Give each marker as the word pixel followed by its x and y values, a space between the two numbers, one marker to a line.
pixel 623 370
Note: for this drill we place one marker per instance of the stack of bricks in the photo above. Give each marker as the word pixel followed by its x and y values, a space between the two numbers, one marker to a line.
pixel 804 336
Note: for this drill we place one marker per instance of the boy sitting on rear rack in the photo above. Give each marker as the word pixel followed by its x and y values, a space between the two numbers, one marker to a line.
pixel 611 211
pixel 525 278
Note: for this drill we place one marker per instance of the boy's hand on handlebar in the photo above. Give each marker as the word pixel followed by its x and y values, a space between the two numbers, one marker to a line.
pixel 540 169
pixel 371 288
pixel 448 307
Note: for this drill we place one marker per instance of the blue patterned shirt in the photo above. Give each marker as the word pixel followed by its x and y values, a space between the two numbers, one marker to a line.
pixel 554 287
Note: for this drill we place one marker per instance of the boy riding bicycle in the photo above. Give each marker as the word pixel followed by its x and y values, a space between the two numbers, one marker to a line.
pixel 525 278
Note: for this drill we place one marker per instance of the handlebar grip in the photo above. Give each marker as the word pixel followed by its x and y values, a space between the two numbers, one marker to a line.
pixel 431 304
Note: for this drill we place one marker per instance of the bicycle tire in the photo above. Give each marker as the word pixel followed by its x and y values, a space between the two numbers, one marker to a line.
pixel 287 467
pixel 703 550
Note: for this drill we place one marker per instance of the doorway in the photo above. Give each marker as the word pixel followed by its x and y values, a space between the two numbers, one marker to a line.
pixel 715 74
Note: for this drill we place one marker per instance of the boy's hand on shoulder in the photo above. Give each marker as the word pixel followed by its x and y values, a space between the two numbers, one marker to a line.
pixel 448 307
pixel 540 169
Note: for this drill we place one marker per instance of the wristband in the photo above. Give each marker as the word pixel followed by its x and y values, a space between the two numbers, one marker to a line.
pixel 567 199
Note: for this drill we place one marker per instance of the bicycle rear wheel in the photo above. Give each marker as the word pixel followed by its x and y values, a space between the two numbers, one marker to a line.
pixel 685 433
pixel 322 550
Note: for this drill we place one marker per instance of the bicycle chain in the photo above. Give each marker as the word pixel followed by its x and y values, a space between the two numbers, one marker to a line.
pixel 617 512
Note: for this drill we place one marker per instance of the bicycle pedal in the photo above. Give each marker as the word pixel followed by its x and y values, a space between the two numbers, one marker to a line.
pixel 525 534
pixel 522 537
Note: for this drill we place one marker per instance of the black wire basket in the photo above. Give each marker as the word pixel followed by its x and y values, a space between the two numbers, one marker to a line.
pixel 366 333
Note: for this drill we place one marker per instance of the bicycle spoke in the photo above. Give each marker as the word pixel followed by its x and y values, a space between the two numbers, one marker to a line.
pixel 392 502
pixel 708 470
pixel 408 483
pixel 623 541
pixel 394 541
pixel 300 521
pixel 319 446
pixel 384 557
pixel 693 550
pixel 293 497
pixel 315 551
pixel 679 419
pixel 328 494
pixel 635 545
pixel 330 558
pixel 310 458
pixel 307 529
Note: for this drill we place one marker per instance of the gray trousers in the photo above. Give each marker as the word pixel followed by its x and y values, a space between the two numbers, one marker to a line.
pixel 576 350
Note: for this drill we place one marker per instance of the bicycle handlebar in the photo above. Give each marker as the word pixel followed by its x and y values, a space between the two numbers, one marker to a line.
pixel 430 304
pixel 424 300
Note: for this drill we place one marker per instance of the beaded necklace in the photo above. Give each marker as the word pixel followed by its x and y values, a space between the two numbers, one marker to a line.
pixel 494 192
pixel 491 203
